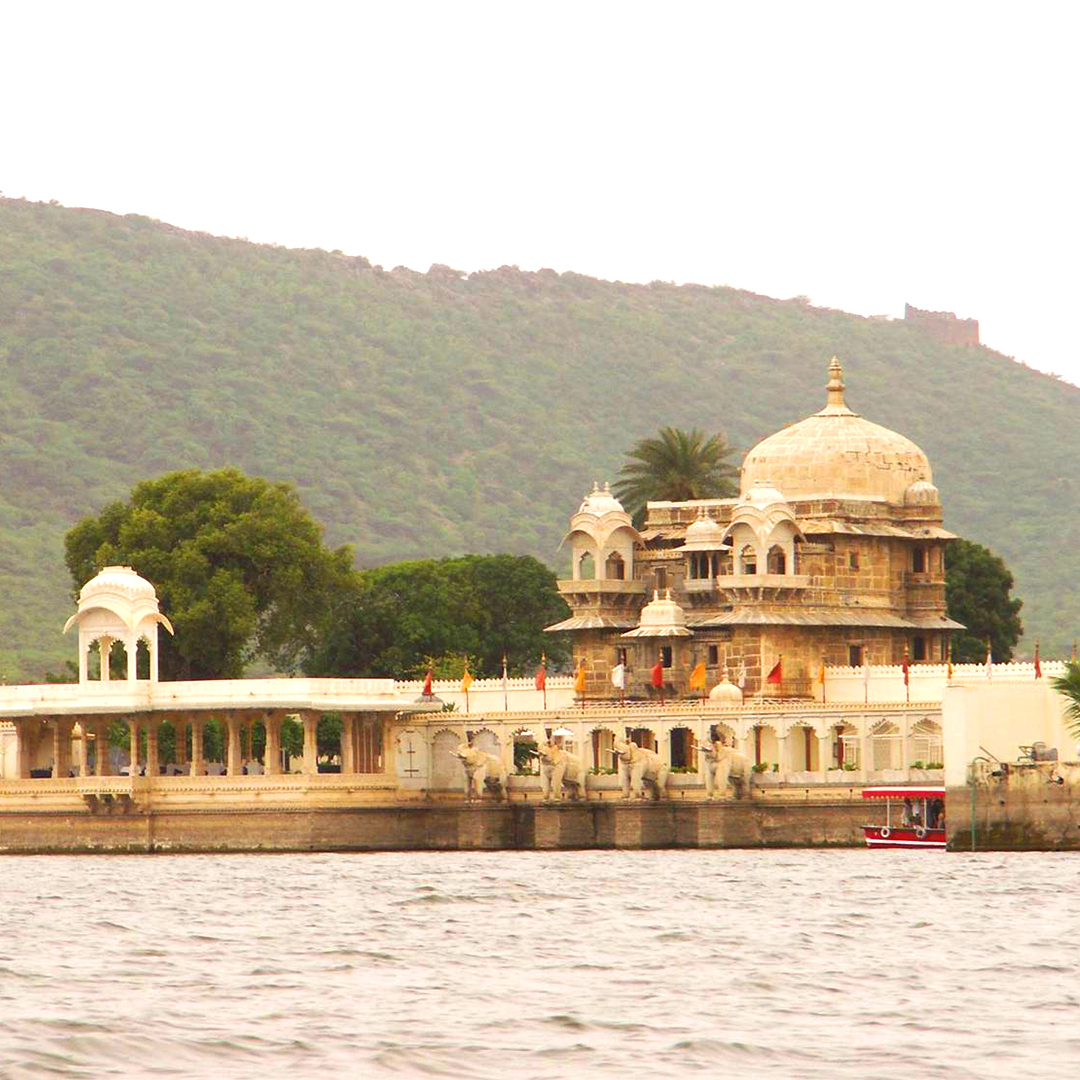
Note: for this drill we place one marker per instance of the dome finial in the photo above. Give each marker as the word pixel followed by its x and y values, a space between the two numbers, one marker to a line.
pixel 836 382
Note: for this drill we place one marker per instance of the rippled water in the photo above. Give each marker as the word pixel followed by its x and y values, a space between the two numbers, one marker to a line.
pixel 530 965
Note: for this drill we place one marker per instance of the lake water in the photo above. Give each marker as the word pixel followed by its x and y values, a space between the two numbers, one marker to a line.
pixel 535 965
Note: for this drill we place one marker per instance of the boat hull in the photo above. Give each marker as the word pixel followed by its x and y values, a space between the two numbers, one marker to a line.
pixel 882 836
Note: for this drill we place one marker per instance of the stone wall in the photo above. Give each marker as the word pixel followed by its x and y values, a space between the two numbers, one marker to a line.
pixel 441 828
pixel 1016 808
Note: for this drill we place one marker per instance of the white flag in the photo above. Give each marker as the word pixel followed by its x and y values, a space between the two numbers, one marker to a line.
pixel 618 676
pixel 866 674
pixel 989 664
pixel 742 676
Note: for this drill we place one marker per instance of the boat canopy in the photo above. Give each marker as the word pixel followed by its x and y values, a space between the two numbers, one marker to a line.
pixel 926 791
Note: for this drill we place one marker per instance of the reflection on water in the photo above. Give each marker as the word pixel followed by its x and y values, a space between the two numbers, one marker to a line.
pixel 534 965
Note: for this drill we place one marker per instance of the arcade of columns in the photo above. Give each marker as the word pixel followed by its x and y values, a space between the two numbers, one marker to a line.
pixel 361 742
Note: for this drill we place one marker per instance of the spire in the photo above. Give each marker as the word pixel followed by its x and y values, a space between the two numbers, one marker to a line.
pixel 836 383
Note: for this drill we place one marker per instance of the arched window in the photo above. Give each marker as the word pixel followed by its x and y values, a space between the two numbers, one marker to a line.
pixel 615 568
pixel 777 560
pixel 748 560
pixel 586 566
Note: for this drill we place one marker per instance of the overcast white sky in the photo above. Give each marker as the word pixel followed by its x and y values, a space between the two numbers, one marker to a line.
pixel 862 154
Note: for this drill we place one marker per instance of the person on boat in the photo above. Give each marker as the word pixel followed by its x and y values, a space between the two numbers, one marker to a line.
pixel 907 814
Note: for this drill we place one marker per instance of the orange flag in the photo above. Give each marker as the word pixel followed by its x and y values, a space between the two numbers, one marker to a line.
pixel 697 676
pixel 466 681
pixel 579 679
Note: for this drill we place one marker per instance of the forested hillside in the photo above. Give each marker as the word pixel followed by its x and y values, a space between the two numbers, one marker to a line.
pixel 437 413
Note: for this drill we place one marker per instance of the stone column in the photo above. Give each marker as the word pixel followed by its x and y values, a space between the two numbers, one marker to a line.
pixel 82 749
pixel 101 749
pixel 179 725
pixel 348 743
pixel 311 747
pixel 61 748
pixel 824 753
pixel 272 754
pixel 249 729
pixel 233 757
pixel 104 645
pixel 133 766
pixel 198 760
pixel 153 765
pixel 24 748
pixel 132 647
pixel 782 757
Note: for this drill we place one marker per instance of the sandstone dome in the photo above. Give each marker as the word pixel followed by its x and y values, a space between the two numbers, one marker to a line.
pixel 726 692
pixel 704 534
pixel 836 452
pixel 661 617
pixel 600 502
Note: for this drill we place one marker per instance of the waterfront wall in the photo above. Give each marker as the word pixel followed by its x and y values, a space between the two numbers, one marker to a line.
pixel 1016 808
pixel 822 822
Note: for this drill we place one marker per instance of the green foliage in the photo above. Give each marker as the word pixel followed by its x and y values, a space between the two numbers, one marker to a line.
pixel 977 593
pixel 1068 685
pixel 238 565
pixel 676 465
pixel 423 415
pixel 393 620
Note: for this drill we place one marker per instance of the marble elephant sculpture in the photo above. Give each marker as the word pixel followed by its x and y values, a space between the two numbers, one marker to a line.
pixel 638 768
pixel 722 765
pixel 483 771
pixel 557 768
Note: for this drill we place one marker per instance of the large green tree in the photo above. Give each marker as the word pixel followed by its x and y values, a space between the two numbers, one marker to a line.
pixel 239 567
pixel 977 593
pixel 676 465
pixel 395 618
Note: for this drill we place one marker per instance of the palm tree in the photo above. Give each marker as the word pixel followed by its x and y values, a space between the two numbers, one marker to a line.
pixel 677 466
pixel 1068 685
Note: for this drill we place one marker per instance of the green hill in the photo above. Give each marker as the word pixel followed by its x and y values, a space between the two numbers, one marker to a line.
pixel 428 414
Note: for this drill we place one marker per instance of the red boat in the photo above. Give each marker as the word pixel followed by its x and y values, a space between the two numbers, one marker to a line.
pixel 917 820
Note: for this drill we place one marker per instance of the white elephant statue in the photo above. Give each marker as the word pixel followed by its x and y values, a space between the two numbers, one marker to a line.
pixel 482 771
pixel 722 765
pixel 638 767
pixel 559 767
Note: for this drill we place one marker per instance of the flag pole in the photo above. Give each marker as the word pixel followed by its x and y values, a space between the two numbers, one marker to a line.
pixel 543 668
pixel 506 696
pixel 907 676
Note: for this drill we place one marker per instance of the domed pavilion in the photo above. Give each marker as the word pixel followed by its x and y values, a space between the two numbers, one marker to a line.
pixel 834 553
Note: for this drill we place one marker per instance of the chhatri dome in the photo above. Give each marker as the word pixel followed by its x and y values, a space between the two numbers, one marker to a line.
pixel 835 453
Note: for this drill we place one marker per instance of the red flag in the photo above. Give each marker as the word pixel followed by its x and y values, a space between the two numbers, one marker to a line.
pixel 541 677
pixel 1038 665
pixel 427 683
pixel 658 673
pixel 777 673
pixel 905 669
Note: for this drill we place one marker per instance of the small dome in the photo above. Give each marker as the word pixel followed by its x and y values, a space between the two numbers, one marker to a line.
pixel 762 495
pixel 725 692
pixel 661 617
pixel 118 580
pixel 836 452
pixel 922 493
pixel 704 534
pixel 600 502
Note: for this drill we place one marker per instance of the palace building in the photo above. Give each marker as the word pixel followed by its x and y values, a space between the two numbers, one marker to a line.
pixel 833 553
